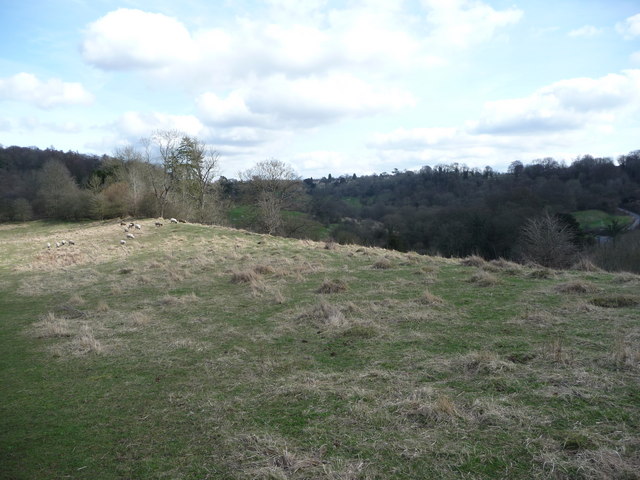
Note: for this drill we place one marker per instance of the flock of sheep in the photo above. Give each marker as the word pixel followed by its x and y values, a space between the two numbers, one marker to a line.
pixel 127 230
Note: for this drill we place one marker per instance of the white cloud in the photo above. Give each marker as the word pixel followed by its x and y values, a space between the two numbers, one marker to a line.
pixel 137 125
pixel 26 87
pixel 564 105
pixel 129 39
pixel 635 58
pixel 585 31
pixel 553 119
pixel 229 111
pixel 462 23
pixel 312 100
pixel 630 28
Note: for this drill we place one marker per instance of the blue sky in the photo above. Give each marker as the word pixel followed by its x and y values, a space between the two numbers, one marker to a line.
pixel 328 87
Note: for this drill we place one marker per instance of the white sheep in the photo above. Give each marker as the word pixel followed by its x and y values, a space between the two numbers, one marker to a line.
pixel 123 242
pixel 63 242
pixel 173 220
pixel 131 225
pixel 130 235
pixel 57 244
pixel 138 226
pixel 48 244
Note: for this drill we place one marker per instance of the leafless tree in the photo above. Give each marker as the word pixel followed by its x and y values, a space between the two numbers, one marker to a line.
pixel 275 186
pixel 547 241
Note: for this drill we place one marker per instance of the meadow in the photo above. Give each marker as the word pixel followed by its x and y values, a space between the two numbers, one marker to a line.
pixel 199 352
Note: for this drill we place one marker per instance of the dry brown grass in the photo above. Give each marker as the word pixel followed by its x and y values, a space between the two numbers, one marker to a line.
pixel 140 319
pixel 584 264
pixel 245 276
pixel 616 301
pixel 428 298
pixel 76 300
pixel 102 307
pixel 333 286
pixel 576 287
pixel 426 406
pixel 483 362
pixel 86 343
pixel 264 269
pixel 383 264
pixel 484 279
pixel 52 326
pixel 474 261
pixel 324 315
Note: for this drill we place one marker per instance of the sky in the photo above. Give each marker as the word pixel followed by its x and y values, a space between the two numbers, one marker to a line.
pixel 328 87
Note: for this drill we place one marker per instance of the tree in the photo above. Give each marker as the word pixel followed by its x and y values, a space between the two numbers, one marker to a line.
pixel 58 194
pixel 547 241
pixel 274 186
pixel 165 144
pixel 199 166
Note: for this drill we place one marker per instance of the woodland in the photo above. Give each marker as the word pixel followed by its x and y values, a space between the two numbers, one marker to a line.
pixel 449 210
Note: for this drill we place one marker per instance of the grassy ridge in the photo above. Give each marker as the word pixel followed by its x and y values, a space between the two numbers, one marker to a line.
pixel 594 220
pixel 202 352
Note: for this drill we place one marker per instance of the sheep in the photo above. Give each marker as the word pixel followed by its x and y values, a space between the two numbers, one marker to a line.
pixel 131 225
pixel 138 226
pixel 126 230
pixel 57 244
pixel 123 242
pixel 71 242
pixel 158 224
pixel 48 244
pixel 130 235
pixel 173 220
pixel 123 224
pixel 182 221
pixel 63 242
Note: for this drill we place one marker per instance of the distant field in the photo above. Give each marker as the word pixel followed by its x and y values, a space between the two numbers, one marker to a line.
pixel 199 352
pixel 598 220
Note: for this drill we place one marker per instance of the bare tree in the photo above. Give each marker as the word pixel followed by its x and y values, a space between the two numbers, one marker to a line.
pixel 165 143
pixel 547 241
pixel 275 186
pixel 199 166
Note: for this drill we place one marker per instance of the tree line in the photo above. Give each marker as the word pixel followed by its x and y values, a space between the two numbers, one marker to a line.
pixel 451 209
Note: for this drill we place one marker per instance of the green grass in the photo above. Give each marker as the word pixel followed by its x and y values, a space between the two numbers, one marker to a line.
pixel 593 220
pixel 421 369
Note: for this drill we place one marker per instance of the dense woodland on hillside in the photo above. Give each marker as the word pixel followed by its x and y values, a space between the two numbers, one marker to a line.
pixel 451 210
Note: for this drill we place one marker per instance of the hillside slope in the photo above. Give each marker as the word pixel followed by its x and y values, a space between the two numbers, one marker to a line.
pixel 204 352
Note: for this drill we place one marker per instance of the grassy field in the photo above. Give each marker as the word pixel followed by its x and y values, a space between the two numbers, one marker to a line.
pixel 594 220
pixel 198 352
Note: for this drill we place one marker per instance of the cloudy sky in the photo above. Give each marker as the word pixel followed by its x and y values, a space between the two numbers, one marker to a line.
pixel 329 87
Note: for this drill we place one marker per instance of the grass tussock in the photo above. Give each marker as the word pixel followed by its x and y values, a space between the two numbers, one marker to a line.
pixel 86 343
pixel 245 276
pixel 52 326
pixel 176 300
pixel 333 286
pixel 506 266
pixel 382 264
pixel 140 319
pixel 484 279
pixel 324 315
pixel 584 264
pixel 76 300
pixel 616 301
pixel 102 307
pixel 576 286
pixel 474 261
pixel 483 362
pixel 428 298
pixel 427 407
pixel 624 354
pixel 264 269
